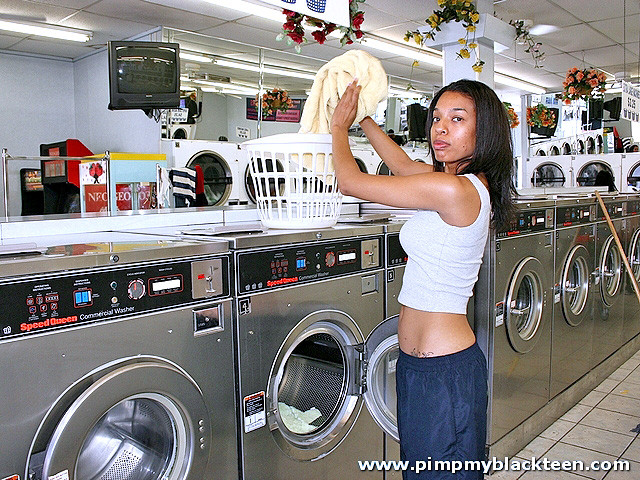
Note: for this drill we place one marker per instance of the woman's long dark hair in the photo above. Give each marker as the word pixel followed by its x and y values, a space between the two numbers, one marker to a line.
pixel 493 154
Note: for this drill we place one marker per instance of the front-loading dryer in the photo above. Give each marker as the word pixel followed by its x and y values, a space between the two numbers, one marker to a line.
pixel 610 272
pixel 309 309
pixel 182 131
pixel 220 163
pixel 117 361
pixel 574 292
pixel 587 167
pixel 545 171
pixel 630 172
pixel 513 314
pixel 631 324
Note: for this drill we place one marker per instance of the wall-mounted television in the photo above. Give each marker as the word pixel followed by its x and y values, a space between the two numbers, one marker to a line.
pixel 144 75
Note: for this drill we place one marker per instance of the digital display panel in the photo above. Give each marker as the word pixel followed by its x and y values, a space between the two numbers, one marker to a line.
pixel 82 298
pixel 160 286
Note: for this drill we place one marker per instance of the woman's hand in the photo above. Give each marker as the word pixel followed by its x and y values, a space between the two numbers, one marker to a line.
pixel 345 113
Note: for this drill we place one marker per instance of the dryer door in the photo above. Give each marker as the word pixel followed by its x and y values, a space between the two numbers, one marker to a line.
pixel 634 254
pixel 548 175
pixel 266 184
pixel 588 173
pixel 523 305
pixel 574 285
pixel 218 178
pixel 380 393
pixel 611 271
pixel 314 391
pixel 136 422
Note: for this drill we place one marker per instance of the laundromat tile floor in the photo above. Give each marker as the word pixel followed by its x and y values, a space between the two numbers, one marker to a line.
pixel 603 427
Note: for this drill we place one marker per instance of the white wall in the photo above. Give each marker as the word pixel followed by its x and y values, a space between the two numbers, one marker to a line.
pixel 213 120
pixel 37 106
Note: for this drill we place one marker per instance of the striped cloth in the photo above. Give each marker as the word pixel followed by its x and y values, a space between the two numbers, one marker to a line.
pixel 184 186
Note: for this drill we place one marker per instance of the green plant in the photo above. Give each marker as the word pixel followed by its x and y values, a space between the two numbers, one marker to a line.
pixel 532 47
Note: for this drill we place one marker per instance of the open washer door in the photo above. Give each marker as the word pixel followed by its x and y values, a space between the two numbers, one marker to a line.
pixel 523 304
pixel 380 394
pixel 136 422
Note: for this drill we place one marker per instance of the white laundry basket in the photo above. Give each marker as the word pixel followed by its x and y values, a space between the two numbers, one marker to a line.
pixel 294 180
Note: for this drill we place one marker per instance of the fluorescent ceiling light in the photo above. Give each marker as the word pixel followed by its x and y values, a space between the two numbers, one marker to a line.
pixel 397 92
pixel 402 51
pixel 195 58
pixel 250 9
pixel 542 29
pixel 255 68
pixel 522 85
pixel 227 86
pixel 231 89
pixel 44 30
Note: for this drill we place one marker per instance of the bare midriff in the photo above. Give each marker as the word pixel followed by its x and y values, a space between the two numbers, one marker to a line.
pixel 432 334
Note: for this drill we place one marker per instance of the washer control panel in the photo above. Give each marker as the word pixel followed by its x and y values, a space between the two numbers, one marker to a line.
pixel 574 215
pixel 71 298
pixel 529 221
pixel 615 209
pixel 285 265
pixel 395 253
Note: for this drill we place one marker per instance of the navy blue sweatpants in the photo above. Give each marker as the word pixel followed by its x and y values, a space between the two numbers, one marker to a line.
pixel 442 412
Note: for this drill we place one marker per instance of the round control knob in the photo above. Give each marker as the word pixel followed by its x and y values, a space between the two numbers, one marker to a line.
pixel 330 259
pixel 136 289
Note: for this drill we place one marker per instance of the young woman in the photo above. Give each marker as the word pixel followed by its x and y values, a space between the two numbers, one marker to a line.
pixel 441 374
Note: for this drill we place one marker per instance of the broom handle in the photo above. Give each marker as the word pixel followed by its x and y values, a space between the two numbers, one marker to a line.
pixel 620 249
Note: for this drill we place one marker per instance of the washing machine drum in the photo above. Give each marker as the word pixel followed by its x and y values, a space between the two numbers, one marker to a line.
pixel 588 173
pixel 218 178
pixel 361 165
pixel 574 286
pixel 383 169
pixel 135 421
pixel 548 175
pixel 179 134
pixel 268 184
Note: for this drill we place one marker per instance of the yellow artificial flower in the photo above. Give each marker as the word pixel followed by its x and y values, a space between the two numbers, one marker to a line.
pixel 473 45
pixel 441 2
pixel 475 17
pixel 471 28
pixel 477 68
pixel 462 41
pixel 407 36
pixel 418 38
pixel 464 53
pixel 415 63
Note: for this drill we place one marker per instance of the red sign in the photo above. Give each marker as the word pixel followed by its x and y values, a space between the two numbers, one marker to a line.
pixel 95 198
pixel 146 193
pixel 124 196
pixel 292 115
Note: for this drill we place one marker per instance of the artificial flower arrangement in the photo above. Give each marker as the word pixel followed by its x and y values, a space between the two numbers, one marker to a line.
pixel 462 11
pixel 514 121
pixel 541 116
pixel 523 36
pixel 275 100
pixel 293 29
pixel 580 84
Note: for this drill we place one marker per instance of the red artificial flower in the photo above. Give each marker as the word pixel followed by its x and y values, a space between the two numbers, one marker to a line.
pixel 357 20
pixel 295 36
pixel 319 36
pixel 359 33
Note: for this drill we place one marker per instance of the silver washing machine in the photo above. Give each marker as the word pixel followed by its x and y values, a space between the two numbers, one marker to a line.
pixel 513 313
pixel 308 304
pixel 117 360
pixel 631 324
pixel 610 272
pixel 396 260
pixel 574 292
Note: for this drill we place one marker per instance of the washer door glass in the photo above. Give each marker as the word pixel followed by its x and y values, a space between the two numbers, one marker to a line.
pixel 380 395
pixel 313 394
pixel 574 285
pixel 524 304
pixel 384 170
pixel 267 184
pixel 610 271
pixel 217 176
pixel 548 175
pixel 633 179
pixel 588 173
pixel 634 254
pixel 361 165
pixel 134 440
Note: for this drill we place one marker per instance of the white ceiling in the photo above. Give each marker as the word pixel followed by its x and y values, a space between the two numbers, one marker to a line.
pixel 588 33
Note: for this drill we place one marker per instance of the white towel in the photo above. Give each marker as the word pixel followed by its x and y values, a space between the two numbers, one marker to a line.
pixel 332 80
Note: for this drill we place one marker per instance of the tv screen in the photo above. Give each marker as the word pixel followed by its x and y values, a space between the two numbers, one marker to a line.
pixel 144 75
pixel 614 107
